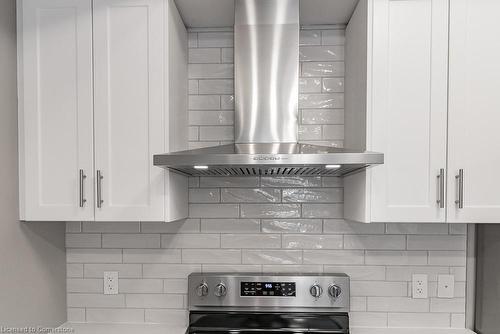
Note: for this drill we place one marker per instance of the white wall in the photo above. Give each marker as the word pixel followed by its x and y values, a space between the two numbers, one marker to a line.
pixel 32 256
pixel 265 224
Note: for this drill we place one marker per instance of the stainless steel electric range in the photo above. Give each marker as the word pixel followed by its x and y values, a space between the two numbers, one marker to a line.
pixel 248 303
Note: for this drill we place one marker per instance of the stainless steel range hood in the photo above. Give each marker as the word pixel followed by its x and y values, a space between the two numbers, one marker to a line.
pixel 266 59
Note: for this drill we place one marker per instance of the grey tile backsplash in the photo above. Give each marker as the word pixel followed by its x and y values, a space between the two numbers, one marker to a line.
pixel 264 224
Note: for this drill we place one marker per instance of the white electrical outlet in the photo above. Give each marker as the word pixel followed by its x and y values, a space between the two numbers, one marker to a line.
pixel 446 286
pixel 420 287
pixel 110 282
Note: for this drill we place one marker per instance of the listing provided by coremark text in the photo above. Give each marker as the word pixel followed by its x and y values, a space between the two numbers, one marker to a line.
pixel 35 330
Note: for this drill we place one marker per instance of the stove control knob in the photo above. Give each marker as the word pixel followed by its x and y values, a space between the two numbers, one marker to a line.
pixel 334 291
pixel 220 290
pixel 316 290
pixel 202 289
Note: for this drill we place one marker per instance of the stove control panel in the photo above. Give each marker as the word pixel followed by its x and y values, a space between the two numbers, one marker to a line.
pixel 240 290
pixel 267 289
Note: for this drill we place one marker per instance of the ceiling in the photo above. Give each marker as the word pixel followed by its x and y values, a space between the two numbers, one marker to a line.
pixel 220 13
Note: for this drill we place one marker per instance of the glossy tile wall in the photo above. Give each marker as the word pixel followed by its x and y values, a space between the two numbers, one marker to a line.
pixel 265 224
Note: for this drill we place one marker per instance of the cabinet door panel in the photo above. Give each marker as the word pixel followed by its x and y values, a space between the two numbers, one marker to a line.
pixel 55 108
pixel 410 40
pixel 474 113
pixel 129 126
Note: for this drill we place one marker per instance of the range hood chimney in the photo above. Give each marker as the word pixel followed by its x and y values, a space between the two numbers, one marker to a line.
pixel 266 59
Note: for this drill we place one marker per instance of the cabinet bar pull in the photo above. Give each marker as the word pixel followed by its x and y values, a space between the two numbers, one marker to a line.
pixel 441 180
pixel 99 189
pixel 460 200
pixel 82 192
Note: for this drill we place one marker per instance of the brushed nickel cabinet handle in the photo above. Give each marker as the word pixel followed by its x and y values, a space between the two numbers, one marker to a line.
pixel 460 198
pixel 82 191
pixel 441 180
pixel 99 189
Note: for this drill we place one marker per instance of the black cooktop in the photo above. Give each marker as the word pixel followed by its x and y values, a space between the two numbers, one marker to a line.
pixel 251 322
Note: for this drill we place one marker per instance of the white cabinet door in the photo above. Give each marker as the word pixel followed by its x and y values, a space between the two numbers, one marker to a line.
pixel 129 108
pixel 55 109
pixel 409 115
pixel 474 110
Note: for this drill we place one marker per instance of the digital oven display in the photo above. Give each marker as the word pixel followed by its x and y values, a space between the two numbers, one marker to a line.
pixel 268 289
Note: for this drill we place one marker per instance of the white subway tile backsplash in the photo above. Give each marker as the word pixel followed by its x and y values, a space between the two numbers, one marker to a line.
pixel 216 86
pixel 180 226
pixel 169 270
pixel 313 195
pixel 270 210
pixel 321 53
pixel 374 242
pixel 312 241
pixel 292 226
pixel 111 227
pixel 230 225
pixel 275 257
pixel 218 256
pixel 175 318
pixel 417 319
pixel 111 315
pixel 208 195
pixel 359 273
pixel 213 210
pixel 95 300
pixel 323 69
pixel 389 258
pixel 264 224
pixel 310 37
pixel 229 182
pixel 379 289
pixel 447 258
pixel 74 240
pixel 210 71
pixel 78 255
pixel 124 270
pixel 322 116
pixel 397 304
pixel 321 101
pixel 211 117
pixel 204 55
pixel 154 301
pixel 333 257
pixel 75 314
pixel 333 37
pixel 333 210
pixel 190 241
pixel 128 285
pixel 84 285
pixel 433 242
pixel 215 39
pixel 255 195
pixel 340 226
pixel 251 241
pixel 310 85
pixel 151 256
pixel 130 241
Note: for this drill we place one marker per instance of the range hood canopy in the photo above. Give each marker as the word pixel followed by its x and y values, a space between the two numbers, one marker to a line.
pixel 260 159
pixel 266 60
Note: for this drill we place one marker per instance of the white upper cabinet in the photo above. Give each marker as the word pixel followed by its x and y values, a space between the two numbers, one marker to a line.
pixel 95 100
pixel 129 104
pixel 409 110
pixel 405 114
pixel 474 111
pixel 55 101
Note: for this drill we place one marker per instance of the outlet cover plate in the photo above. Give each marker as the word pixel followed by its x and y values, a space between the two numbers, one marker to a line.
pixel 420 286
pixel 110 282
pixel 446 286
